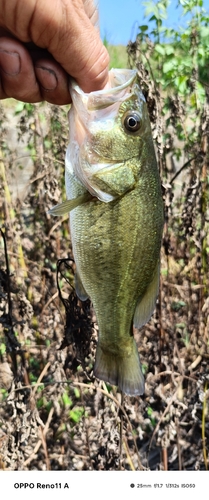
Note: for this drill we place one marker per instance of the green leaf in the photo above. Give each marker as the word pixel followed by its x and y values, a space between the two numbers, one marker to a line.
pixel 181 83
pixel 149 411
pixel 201 52
pixel 176 306
pixel 161 6
pixel 180 325
pixel 143 27
pixel 76 414
pixel 66 400
pixel 204 32
pixel 19 108
pixel 200 92
pixel 168 66
pixel 169 49
pixel 2 348
pixel 160 49
pixel 150 8
pixel 153 18
pixel 77 392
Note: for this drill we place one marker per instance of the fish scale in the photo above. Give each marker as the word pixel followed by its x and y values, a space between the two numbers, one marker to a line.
pixel 116 269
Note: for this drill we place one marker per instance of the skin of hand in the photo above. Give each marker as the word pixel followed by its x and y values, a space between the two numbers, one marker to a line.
pixel 45 42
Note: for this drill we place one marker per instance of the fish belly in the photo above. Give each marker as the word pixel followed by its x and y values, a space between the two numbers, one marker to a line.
pixel 116 248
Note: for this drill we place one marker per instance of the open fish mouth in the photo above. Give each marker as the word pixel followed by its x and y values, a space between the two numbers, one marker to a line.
pixel 115 90
pixel 97 156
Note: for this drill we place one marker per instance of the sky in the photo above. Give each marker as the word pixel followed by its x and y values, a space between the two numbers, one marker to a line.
pixel 119 19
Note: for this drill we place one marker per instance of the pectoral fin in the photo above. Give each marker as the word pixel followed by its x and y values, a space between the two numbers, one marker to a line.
pixel 146 305
pixel 68 205
pixel 79 288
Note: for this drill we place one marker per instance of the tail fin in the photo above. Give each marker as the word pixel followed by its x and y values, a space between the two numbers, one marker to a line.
pixel 123 371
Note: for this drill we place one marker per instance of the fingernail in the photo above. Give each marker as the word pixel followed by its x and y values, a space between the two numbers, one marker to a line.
pixel 46 77
pixel 10 62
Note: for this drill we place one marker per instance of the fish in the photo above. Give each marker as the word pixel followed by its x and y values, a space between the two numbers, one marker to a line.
pixel 114 201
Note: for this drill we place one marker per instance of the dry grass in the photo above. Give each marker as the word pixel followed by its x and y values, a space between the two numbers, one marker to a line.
pixel 54 414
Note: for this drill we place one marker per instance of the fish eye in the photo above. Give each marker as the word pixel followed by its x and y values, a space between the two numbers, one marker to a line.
pixel 132 121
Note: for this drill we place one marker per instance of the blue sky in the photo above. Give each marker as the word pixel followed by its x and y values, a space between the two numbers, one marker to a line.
pixel 119 19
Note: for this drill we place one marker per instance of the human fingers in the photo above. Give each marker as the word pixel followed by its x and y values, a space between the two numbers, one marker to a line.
pixel 30 74
pixel 17 77
pixel 63 28
pixel 53 82
pixel 77 45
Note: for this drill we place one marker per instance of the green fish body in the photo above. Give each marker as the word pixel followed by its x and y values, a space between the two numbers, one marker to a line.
pixel 116 226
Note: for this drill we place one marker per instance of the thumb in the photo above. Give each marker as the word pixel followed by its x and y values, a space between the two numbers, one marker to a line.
pixel 76 44
pixel 65 29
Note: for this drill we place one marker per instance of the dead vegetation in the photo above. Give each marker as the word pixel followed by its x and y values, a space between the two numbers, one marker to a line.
pixel 54 414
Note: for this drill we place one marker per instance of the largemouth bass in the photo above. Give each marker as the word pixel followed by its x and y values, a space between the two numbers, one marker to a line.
pixel 116 219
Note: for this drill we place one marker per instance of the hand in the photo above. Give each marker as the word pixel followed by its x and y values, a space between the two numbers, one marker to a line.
pixel 43 42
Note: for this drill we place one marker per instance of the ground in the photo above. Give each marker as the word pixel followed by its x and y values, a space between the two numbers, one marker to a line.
pixel 54 414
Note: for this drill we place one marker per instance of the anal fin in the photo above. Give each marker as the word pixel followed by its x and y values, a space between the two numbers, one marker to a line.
pixel 146 304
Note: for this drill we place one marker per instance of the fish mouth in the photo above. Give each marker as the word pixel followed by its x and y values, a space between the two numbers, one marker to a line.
pixel 118 82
